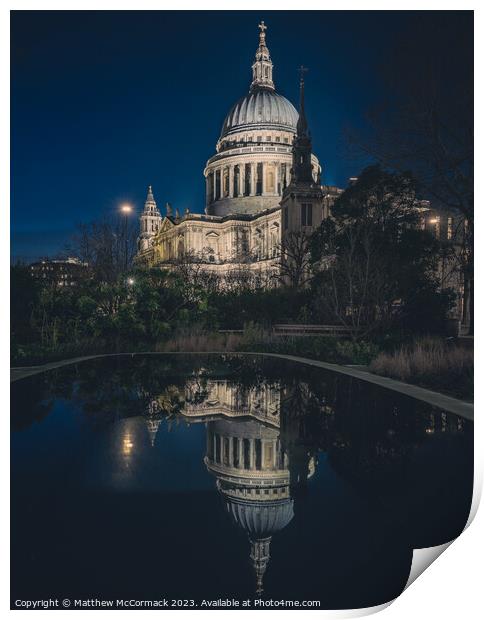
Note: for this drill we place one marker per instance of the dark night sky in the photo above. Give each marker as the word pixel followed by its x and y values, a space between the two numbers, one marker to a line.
pixel 105 103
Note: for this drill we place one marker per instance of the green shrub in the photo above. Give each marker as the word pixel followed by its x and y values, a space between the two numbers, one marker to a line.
pixel 324 348
pixel 357 352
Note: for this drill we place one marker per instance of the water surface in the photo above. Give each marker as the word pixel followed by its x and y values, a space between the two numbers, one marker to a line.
pixel 209 477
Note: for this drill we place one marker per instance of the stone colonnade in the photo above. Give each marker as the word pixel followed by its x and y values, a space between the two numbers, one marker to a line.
pixel 250 454
pixel 247 179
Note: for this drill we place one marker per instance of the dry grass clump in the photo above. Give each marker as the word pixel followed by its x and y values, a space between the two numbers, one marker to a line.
pixel 203 342
pixel 432 363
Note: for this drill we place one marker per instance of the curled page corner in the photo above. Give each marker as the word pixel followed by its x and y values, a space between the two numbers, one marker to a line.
pixel 364 611
pixel 422 559
pixel 476 497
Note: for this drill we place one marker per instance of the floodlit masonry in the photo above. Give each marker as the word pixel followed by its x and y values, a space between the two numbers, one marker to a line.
pixel 262 183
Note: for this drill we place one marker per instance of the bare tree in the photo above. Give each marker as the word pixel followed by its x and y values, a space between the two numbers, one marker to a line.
pixel 296 265
pixel 102 244
pixel 357 290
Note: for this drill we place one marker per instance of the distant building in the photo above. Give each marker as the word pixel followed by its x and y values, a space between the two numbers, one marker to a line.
pixel 60 272
pixel 450 228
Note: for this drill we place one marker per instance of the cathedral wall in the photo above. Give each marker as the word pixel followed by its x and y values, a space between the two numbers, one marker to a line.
pixel 216 242
pixel 244 205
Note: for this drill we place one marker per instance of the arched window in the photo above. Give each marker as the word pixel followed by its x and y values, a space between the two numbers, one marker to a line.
pixel 245 239
pixel 181 246
pixel 258 247
pixel 270 181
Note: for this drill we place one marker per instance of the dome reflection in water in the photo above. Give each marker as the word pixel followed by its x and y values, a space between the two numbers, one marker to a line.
pixel 218 476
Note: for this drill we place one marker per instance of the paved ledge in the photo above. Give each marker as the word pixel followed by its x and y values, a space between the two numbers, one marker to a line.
pixel 448 403
pixel 21 372
pixel 441 401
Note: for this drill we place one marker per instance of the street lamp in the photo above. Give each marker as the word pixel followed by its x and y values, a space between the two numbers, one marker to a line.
pixel 130 281
pixel 126 209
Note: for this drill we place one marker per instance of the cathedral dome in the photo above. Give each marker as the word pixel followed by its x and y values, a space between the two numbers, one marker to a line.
pixel 261 519
pixel 261 108
pixel 251 167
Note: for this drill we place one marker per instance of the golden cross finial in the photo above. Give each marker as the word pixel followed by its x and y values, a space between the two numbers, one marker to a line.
pixel 302 70
pixel 262 27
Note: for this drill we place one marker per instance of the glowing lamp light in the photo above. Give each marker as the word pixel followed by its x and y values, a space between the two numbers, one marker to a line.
pixel 126 209
pixel 131 281
pixel 434 220
pixel 127 445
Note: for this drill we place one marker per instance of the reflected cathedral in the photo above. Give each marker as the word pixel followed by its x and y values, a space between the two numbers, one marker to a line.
pixel 245 454
pixel 263 441
pixel 302 465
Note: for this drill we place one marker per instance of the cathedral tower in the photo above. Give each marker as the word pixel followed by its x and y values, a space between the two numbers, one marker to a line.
pixel 302 200
pixel 150 221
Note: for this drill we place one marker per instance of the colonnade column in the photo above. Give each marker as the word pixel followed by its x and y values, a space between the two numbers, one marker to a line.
pixel 207 189
pixel 222 182
pixel 276 178
pixel 263 173
pixel 231 181
pixel 241 179
pixel 222 450
pixel 214 188
pixel 251 454
pixel 253 179
pixel 240 454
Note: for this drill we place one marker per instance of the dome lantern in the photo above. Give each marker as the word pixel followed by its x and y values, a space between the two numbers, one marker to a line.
pixel 262 67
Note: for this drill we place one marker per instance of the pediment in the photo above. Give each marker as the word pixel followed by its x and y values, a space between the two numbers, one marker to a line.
pixel 212 235
pixel 166 224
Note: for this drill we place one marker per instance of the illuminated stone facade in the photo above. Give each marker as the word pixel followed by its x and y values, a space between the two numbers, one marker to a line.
pixel 251 172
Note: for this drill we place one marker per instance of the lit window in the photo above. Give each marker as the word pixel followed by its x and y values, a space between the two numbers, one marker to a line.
pixel 436 221
pixel 450 228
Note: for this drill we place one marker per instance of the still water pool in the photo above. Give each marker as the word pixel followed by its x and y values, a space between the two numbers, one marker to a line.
pixel 196 478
